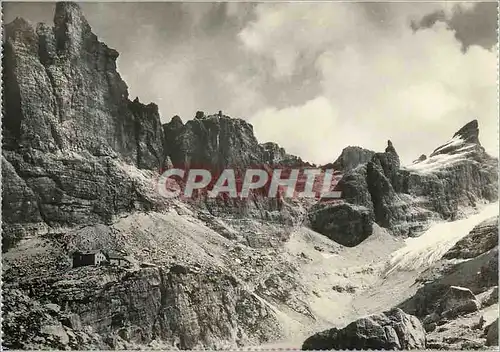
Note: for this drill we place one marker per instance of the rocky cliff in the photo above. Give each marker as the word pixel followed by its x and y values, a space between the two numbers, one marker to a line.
pixel 219 141
pixel 64 91
pixel 67 125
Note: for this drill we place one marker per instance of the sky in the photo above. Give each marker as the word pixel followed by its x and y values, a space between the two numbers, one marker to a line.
pixel 314 77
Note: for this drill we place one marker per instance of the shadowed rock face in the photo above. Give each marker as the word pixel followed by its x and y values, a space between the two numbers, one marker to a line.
pixel 345 224
pixel 386 331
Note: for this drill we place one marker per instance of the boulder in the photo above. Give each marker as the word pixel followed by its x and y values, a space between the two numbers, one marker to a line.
pixel 393 329
pixel 458 301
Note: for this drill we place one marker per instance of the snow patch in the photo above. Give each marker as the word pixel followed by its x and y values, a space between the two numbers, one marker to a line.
pixel 454 142
pixel 438 162
pixel 421 252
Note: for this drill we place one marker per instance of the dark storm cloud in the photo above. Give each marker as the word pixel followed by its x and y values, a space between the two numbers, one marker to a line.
pixel 476 26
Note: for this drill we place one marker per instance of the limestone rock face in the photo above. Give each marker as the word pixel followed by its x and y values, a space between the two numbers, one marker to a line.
pixel 218 142
pixel 480 240
pixel 164 304
pixel 68 126
pixel 386 331
pixel 148 135
pixel 63 93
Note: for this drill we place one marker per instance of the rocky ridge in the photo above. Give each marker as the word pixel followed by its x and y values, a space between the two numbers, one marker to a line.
pixel 73 149
pixel 406 199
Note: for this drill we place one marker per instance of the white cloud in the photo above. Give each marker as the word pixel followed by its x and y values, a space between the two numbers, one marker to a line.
pixel 380 80
pixel 305 130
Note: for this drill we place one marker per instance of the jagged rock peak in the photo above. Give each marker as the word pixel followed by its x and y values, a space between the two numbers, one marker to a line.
pixel 69 12
pixel 465 140
pixel 350 158
pixel 469 132
pixel 176 120
pixel 390 148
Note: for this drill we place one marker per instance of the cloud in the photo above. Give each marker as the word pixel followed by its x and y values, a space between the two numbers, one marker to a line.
pixel 288 126
pixel 382 79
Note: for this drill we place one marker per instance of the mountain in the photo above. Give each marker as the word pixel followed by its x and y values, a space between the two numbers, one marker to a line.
pixel 405 200
pixel 80 168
